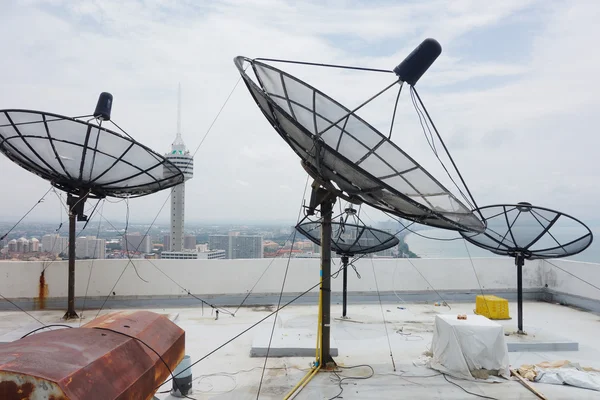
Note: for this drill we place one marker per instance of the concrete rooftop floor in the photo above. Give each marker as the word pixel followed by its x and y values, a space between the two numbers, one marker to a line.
pixel 231 373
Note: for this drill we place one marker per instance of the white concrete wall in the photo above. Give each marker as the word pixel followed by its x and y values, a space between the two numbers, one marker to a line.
pixel 561 281
pixel 204 277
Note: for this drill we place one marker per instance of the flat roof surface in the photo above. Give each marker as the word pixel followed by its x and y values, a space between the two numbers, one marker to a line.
pixel 231 373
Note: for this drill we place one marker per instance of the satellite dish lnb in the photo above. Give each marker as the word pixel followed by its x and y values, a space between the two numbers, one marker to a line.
pixel 418 61
pixel 104 106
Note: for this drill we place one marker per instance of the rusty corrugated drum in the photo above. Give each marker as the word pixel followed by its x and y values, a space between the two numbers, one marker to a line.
pixel 87 364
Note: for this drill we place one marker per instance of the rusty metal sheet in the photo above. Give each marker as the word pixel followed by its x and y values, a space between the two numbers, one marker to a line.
pixel 88 363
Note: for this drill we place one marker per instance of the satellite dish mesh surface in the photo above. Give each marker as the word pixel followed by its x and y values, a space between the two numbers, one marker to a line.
pixel 350 239
pixel 80 157
pixel 336 145
pixel 529 231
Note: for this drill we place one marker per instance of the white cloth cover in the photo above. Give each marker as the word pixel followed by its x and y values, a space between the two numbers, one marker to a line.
pixel 462 346
pixel 569 376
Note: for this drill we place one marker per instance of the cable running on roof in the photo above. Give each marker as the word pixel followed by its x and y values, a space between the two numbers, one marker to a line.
pixel 26 214
pixel 91 266
pixel 383 315
pixel 186 291
pixel 267 317
pixel 293 234
pixel 287 267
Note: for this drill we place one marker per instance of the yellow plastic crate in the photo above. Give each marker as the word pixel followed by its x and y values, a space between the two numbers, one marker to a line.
pixel 493 307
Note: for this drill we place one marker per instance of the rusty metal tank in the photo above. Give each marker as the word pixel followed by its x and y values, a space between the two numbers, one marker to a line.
pixel 91 362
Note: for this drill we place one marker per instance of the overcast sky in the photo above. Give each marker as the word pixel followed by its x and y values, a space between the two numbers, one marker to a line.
pixel 514 93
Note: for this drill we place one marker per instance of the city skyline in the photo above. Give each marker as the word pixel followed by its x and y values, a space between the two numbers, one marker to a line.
pixel 492 93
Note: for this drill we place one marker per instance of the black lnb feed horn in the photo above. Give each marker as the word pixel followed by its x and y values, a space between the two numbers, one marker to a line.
pixel 418 61
pixel 104 106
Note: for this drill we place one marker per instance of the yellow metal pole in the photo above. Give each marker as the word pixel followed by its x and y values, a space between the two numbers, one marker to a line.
pixel 318 351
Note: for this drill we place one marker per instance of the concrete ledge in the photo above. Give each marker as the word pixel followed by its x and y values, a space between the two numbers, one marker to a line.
pixel 288 343
pixel 266 299
pixel 542 346
pixel 573 300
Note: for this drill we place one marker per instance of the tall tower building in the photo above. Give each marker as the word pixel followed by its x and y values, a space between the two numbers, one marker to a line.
pixel 181 158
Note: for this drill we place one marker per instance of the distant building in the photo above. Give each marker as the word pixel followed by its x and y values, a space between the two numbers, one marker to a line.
pixel 189 242
pixel 12 246
pixel 219 242
pixel 34 245
pixel 202 247
pixel 246 247
pixel 22 245
pixel 135 242
pixel 54 243
pixel 167 242
pixel 179 255
pixel 211 255
pixel 90 247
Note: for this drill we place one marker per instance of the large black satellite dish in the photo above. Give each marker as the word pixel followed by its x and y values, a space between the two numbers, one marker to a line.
pixel 84 159
pixel 527 232
pixel 349 239
pixel 348 158
pixel 338 147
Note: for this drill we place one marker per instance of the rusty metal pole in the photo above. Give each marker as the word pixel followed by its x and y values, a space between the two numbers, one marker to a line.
pixel 72 203
pixel 326 210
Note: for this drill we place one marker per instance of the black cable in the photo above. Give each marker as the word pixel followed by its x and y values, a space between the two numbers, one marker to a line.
pixel 466 391
pixel 444 302
pixel 325 65
pixel 261 275
pixel 394 113
pixel 127 241
pixel 293 234
pixel 287 267
pixel 46 266
pixel 433 148
pixel 448 153
pixel 45 327
pixel 130 260
pixel 223 310
pixel 154 351
pixel 573 275
pixel 340 379
pixel 91 269
pixel 406 227
pixel 26 214
pixel 477 277
pixel 383 315
pixel 17 306
pixel 254 325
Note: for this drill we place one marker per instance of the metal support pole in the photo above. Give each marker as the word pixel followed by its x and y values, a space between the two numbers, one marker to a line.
pixel 344 285
pixel 519 260
pixel 72 202
pixel 326 211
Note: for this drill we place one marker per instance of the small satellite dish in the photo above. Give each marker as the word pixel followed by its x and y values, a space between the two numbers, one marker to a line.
pixel 349 237
pixel 527 232
pixel 345 154
pixel 84 159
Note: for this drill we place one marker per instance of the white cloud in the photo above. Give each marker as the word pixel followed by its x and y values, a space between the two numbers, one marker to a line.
pixel 536 118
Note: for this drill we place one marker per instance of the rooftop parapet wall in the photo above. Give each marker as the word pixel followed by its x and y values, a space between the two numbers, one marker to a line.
pixel 560 282
pixel 235 277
